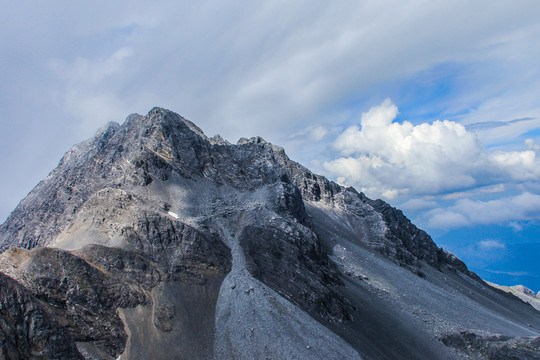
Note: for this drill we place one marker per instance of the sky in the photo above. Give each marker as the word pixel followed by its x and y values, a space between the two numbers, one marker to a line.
pixel 431 106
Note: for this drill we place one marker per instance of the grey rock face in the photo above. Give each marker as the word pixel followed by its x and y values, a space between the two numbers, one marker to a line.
pixel 295 265
pixel 28 329
pixel 84 298
pixel 152 240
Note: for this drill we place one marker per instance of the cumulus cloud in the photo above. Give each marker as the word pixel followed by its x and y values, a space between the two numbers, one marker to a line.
pixel 533 145
pixel 387 158
pixel 520 165
pixel 466 212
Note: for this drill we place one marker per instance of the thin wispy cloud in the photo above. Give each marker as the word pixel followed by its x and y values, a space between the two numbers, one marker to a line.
pixel 511 273
pixel 493 124
pixel 314 133
pixel 491 244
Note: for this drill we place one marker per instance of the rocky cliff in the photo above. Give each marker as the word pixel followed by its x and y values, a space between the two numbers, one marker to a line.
pixel 153 240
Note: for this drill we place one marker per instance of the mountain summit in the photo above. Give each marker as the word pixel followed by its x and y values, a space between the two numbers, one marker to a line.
pixel 152 240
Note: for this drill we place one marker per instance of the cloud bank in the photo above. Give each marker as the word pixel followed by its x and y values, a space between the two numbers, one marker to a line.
pixel 466 212
pixel 389 159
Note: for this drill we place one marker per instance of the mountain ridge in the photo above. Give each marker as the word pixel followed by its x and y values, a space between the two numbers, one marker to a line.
pixel 211 249
pixel 313 187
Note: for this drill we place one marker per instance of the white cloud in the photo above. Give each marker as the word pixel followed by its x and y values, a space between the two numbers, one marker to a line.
pixel 386 158
pixel 313 133
pixel 531 144
pixel 491 244
pixel 88 91
pixel 517 227
pixel 520 165
pixel 511 273
pixel 446 219
pixel 418 204
pixel 491 189
pixel 457 195
pixel 91 71
pixel 466 212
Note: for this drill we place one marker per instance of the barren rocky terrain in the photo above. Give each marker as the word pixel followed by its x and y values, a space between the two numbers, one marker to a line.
pixel 152 240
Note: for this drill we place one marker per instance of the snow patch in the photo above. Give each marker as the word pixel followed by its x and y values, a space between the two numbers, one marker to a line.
pixel 174 215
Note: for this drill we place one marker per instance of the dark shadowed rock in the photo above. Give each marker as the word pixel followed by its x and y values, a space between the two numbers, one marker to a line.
pixel 28 329
pixel 83 297
pixel 295 266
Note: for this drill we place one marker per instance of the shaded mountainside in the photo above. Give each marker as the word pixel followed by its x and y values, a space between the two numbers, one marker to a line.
pixel 153 240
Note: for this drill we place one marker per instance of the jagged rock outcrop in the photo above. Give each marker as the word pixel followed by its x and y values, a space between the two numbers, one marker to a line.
pixel 83 297
pixel 295 265
pixel 153 240
pixel 28 329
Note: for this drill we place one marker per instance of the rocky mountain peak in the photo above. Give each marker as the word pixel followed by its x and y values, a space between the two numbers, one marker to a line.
pixel 253 140
pixel 524 290
pixel 218 140
pixel 161 145
pixel 152 240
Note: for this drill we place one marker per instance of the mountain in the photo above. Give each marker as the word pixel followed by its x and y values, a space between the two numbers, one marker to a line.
pixel 522 292
pixel 151 240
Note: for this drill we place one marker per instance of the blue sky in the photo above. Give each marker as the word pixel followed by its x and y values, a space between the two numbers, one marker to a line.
pixel 431 106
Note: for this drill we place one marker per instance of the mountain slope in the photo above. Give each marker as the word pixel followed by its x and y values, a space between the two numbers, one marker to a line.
pixel 522 292
pixel 172 244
